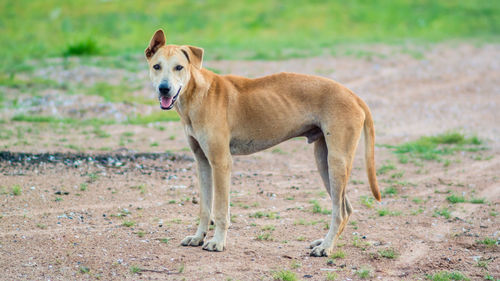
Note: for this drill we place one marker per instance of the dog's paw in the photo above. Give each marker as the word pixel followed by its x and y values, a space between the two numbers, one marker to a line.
pixel 192 241
pixel 315 243
pixel 213 245
pixel 321 251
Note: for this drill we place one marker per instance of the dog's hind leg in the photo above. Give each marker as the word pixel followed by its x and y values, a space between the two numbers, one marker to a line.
pixel 206 194
pixel 341 143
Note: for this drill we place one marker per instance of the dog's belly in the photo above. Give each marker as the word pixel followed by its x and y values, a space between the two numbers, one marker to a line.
pixel 249 146
pixel 244 147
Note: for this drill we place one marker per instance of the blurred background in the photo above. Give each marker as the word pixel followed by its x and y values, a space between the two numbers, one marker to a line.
pixel 56 54
pixel 235 29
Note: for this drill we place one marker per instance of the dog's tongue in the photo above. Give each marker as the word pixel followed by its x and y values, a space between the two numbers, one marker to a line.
pixel 166 102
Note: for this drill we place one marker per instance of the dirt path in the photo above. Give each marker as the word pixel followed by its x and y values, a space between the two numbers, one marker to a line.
pixel 123 218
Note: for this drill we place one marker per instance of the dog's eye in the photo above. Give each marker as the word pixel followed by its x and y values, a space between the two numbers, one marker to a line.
pixel 157 67
pixel 179 67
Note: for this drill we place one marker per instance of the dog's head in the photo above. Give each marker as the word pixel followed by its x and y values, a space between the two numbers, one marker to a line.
pixel 170 68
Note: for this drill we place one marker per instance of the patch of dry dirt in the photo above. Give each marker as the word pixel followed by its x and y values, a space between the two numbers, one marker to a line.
pixel 69 218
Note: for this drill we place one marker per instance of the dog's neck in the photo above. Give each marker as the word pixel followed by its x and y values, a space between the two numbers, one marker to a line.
pixel 196 90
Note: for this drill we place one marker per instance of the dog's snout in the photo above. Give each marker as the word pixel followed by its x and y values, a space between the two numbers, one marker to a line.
pixel 164 88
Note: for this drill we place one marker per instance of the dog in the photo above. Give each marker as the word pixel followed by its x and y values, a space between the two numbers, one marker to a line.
pixel 225 115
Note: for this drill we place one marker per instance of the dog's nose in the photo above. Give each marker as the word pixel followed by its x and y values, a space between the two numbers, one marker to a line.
pixel 164 88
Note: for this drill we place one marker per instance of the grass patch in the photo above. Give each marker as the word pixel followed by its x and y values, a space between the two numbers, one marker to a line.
pixel 284 275
pixel 128 223
pixel 434 147
pixel 83 186
pixel 84 47
pixel 386 212
pixel 364 272
pixel 331 276
pixel 385 168
pixel 57 120
pixel 447 276
pixel 444 212
pixel 164 240
pixel 16 190
pixel 258 30
pixel 417 200
pixel 454 199
pixel 338 255
pixel 477 200
pixel 367 201
pixel 140 187
pixel 487 241
pixel 389 191
pixel 316 208
pixel 84 270
pixel 157 116
pixel 266 236
pixel 388 253
pixel 118 93
pixel 269 215
pixel 135 269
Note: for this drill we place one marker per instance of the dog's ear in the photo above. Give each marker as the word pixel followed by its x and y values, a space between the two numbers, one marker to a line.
pixel 194 55
pixel 157 42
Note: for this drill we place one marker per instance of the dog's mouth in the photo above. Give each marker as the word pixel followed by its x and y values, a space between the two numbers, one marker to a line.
pixel 167 103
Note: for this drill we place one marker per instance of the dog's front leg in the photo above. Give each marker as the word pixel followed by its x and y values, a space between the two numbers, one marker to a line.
pixel 221 162
pixel 206 194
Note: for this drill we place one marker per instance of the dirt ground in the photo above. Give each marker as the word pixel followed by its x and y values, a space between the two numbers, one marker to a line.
pixel 109 212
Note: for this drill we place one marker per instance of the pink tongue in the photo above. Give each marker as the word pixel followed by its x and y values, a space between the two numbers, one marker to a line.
pixel 166 102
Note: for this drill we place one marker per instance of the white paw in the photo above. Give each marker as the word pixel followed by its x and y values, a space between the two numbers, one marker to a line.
pixel 315 243
pixel 214 245
pixel 321 251
pixel 192 241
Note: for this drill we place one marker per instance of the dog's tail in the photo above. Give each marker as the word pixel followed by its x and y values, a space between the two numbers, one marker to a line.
pixel 370 151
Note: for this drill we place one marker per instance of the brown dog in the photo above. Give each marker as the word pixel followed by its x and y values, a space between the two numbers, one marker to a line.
pixel 231 115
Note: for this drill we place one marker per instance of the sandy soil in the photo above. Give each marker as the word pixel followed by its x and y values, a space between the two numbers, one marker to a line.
pixel 69 220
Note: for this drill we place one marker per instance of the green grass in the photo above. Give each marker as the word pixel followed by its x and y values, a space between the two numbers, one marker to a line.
pixel 388 253
pixel 269 215
pixel 141 187
pixel 128 223
pixel 434 147
pixel 338 255
pixel 389 191
pixel 157 116
pixel 385 212
pixel 385 168
pixel 238 29
pixel 487 241
pixel 26 84
pixel 83 186
pixel 444 212
pixel 317 209
pixel 364 272
pixel 456 199
pixel 367 201
pixel 118 93
pixel 265 236
pixel 477 200
pixel 447 276
pixel 135 269
pixel 16 190
pixel 84 270
pixel 331 276
pixel 83 47
pixel 284 275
